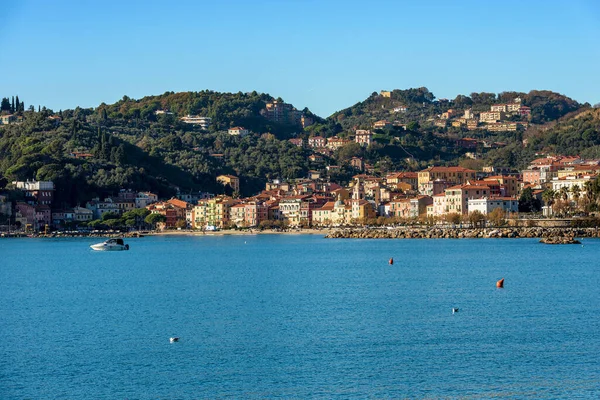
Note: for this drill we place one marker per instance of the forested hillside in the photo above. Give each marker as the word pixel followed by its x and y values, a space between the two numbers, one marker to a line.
pixel 421 106
pixel 96 152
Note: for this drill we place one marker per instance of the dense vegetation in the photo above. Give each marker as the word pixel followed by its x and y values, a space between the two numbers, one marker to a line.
pixel 95 152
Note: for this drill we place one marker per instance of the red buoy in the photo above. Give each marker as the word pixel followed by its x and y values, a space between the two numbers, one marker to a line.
pixel 391 261
pixel 500 283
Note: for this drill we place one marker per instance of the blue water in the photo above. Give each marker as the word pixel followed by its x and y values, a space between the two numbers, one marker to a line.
pixel 299 317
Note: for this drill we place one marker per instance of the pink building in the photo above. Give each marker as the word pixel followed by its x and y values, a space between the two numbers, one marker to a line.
pixel 43 216
pixel 255 212
pixel 28 212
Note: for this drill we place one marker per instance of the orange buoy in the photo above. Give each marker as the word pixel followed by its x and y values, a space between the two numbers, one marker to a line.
pixel 391 262
pixel 500 283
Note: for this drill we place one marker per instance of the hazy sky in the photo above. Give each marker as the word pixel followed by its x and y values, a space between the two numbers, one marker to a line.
pixel 325 55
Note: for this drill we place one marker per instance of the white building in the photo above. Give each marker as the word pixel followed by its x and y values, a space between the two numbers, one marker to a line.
pixel 569 182
pixel 439 204
pixel 145 198
pixel 81 214
pixel 203 122
pixel 34 185
pixel 486 205
pixel 238 131
pixel 363 137
pixel 100 208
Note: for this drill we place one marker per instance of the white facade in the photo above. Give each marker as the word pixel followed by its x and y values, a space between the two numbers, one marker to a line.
pixel 439 205
pixel 571 181
pixel 487 205
pixel 145 198
pixel 204 122
pixel 34 185
pixel 238 131
pixel 82 214
pixel 363 137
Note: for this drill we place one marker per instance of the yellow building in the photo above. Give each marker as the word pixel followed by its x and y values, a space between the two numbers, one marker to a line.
pixel 457 197
pixel 453 175
pixel 362 209
pixel 492 116
pixel 213 212
pixel 230 180
pixel 509 183
pixel 406 178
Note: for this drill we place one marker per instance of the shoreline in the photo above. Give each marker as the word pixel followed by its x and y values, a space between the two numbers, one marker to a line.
pixel 138 234
pixel 234 232
pixel 403 232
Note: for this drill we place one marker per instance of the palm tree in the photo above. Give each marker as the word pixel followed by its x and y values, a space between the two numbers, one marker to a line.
pixel 564 193
pixel 548 197
pixel 586 196
pixel 576 192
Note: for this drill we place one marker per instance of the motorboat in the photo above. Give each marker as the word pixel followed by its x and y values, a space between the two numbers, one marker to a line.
pixel 110 245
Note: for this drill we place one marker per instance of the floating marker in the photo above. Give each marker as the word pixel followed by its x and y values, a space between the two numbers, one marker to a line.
pixel 454 310
pixel 174 339
pixel 391 262
pixel 500 283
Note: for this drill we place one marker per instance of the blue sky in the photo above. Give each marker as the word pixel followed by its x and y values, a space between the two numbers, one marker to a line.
pixel 325 55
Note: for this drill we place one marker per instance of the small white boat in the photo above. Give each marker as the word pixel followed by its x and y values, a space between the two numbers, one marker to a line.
pixel 110 245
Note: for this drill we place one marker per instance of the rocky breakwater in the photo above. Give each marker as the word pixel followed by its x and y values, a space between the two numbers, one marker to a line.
pixel 560 240
pixel 460 233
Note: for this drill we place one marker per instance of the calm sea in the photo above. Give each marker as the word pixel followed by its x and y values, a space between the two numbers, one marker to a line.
pixel 299 317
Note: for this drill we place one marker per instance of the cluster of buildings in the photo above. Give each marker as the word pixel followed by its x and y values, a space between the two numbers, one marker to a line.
pixel 38 212
pixel 494 120
pixel 278 111
pixel 431 193
pixel 326 146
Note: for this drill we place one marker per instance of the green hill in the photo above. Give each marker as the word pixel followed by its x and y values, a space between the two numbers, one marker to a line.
pixel 96 152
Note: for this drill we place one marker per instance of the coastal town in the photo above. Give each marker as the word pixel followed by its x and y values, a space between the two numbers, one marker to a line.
pixel 560 185
pixel 551 186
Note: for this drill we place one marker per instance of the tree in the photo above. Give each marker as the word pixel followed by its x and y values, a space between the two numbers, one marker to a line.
pixel 453 218
pixel 564 193
pixel 588 187
pixel 18 109
pixel 153 219
pixel 12 108
pixel 5 105
pixel 462 101
pixel 496 217
pixel 110 215
pixel 476 218
pixel 529 203
pixel 548 197
pixel 576 192
pixel 412 126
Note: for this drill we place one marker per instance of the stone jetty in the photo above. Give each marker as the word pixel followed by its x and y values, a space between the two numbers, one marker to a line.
pixel 461 233
pixel 560 240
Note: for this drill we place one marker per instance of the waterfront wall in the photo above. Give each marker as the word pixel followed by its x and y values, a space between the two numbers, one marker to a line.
pixel 460 233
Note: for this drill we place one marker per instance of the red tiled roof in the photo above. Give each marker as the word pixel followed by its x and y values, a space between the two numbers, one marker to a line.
pixel 447 169
pixel 178 203
pixel 327 206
